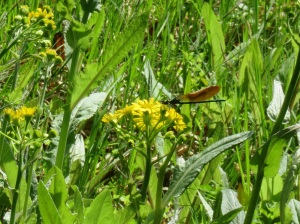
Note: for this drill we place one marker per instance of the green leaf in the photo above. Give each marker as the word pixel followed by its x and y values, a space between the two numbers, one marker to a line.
pixel 215 36
pixel 252 64
pixel 288 186
pixel 96 33
pixel 65 7
pixel 229 217
pixel 295 210
pixel 278 141
pixel 86 108
pixel 47 207
pixel 78 34
pixel 276 103
pixel 59 193
pixel 8 166
pixel 90 5
pixel 230 208
pixel 125 216
pixel 155 87
pixel 184 175
pixel 101 210
pixel 118 49
pixel 78 205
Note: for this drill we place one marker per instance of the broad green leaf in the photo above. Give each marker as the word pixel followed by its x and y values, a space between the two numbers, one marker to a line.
pixel 215 36
pixel 278 141
pixel 294 206
pixel 101 210
pixel 184 175
pixel 155 87
pixel 47 207
pixel 78 205
pixel 276 103
pixel 79 35
pixel 289 184
pixel 228 208
pixel 86 108
pixel 77 150
pixel 8 164
pixel 59 193
pixel 117 50
pixel 252 63
pixel 125 216
pixel 185 199
pixel 9 167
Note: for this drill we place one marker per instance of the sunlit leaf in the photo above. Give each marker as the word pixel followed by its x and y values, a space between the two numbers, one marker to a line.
pixel 184 175
pixel 230 208
pixel 47 207
pixel 215 36
pixel 101 210
pixel 295 210
pixel 289 184
pixel 276 103
pixel 278 141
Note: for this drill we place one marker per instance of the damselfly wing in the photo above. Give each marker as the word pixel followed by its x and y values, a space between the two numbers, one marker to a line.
pixel 200 96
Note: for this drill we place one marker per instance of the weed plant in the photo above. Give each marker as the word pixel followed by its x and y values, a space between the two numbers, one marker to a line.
pixel 85 137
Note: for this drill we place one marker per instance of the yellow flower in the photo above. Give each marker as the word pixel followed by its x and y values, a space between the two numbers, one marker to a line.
pixel 27 112
pixel 149 115
pixel 107 118
pixel 123 112
pixel 51 52
pixel 151 106
pixel 44 16
pixel 20 114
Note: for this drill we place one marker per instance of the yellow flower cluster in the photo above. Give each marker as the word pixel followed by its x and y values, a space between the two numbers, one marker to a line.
pixel 20 114
pixel 51 54
pixel 44 16
pixel 149 114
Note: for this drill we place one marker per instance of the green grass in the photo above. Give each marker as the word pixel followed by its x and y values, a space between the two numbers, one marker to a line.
pixel 235 160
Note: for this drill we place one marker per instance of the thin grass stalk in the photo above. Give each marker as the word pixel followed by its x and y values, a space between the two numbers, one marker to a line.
pixel 292 90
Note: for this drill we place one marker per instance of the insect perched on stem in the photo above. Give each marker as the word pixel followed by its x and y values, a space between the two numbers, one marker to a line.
pixel 200 96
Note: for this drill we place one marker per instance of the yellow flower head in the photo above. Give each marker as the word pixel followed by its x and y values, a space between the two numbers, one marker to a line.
pixel 149 114
pixel 20 114
pixel 44 16
pixel 108 118
pixel 27 112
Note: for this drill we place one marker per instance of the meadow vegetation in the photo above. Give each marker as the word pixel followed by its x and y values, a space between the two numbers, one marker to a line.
pixel 85 136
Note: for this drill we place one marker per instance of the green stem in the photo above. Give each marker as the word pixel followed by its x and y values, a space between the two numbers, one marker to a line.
pixel 147 171
pixel 30 171
pixel 159 209
pixel 292 90
pixel 63 139
pixel 16 191
pixel 67 111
